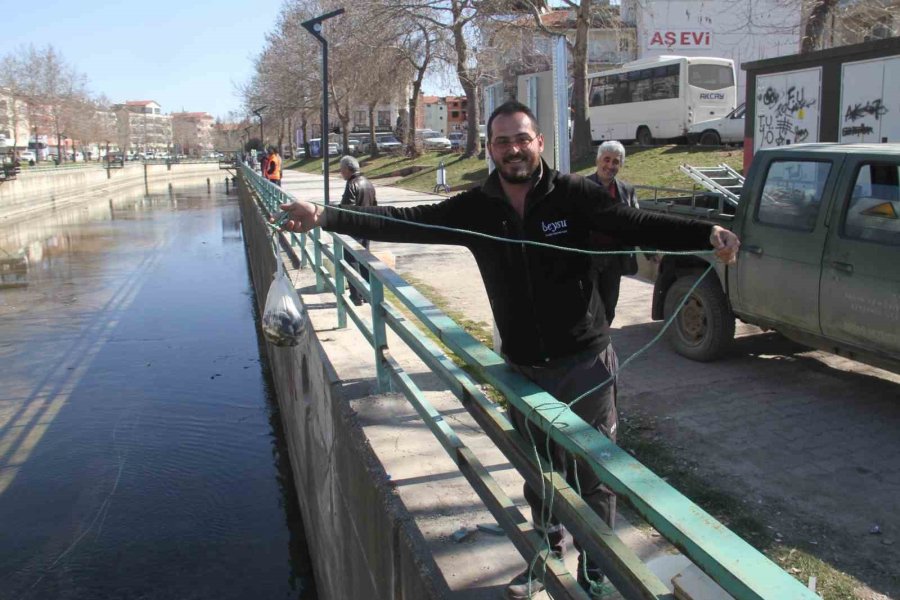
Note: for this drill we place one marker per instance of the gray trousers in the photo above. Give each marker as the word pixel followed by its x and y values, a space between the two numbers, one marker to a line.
pixel 566 379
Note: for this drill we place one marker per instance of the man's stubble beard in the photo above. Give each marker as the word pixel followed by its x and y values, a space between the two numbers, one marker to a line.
pixel 523 173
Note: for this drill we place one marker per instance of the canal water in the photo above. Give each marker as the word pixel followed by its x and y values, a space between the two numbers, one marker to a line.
pixel 140 444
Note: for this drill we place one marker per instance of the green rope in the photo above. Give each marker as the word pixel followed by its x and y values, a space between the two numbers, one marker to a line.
pixel 283 218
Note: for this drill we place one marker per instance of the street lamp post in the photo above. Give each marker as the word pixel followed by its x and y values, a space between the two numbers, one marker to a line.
pixel 314 26
pixel 258 113
pixel 107 160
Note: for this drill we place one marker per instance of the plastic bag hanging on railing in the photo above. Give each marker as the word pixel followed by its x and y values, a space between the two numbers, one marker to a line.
pixel 284 318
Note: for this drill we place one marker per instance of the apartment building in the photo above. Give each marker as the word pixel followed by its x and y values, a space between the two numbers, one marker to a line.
pixel 444 113
pixel 192 133
pixel 142 128
pixel 14 131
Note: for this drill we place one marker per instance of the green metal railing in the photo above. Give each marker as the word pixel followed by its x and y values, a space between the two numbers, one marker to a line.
pixel 740 569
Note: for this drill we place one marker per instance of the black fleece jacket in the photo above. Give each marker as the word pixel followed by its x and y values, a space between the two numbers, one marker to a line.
pixel 545 301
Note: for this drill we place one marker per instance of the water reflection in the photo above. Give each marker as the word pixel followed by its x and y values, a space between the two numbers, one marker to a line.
pixel 140 447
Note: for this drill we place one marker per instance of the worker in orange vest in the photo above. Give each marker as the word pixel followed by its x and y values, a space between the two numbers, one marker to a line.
pixel 273 167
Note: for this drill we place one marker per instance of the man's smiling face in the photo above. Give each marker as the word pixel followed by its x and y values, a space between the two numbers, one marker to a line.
pixel 515 147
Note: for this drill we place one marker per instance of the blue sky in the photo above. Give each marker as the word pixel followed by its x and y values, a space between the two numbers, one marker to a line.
pixel 183 54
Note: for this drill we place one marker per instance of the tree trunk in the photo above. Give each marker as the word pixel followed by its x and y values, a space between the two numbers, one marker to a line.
pixel 580 146
pixel 373 146
pixel 291 146
pixel 468 83
pixel 345 131
pixel 815 24
pixel 305 134
pixel 411 149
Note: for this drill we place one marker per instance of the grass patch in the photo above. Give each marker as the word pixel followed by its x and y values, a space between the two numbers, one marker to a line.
pixel 640 439
pixel 419 174
pixel 657 166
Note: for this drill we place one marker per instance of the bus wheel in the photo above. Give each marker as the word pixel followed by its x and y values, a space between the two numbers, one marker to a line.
pixel 644 137
pixel 710 138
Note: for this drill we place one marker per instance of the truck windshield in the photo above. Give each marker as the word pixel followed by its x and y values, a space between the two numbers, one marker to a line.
pixel 710 77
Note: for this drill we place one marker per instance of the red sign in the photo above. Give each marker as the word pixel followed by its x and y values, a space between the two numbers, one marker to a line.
pixel 684 38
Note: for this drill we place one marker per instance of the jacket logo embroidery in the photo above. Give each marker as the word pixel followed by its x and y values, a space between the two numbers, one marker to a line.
pixel 555 228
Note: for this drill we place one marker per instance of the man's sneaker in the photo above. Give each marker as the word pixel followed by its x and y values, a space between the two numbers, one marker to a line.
pixel 596 588
pixel 522 586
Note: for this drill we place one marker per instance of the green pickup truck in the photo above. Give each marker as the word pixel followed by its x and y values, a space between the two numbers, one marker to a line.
pixel 819 261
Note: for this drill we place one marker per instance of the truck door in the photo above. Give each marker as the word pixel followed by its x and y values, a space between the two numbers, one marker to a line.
pixel 783 237
pixel 861 265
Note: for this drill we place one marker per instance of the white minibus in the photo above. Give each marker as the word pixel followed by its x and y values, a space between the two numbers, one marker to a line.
pixel 658 98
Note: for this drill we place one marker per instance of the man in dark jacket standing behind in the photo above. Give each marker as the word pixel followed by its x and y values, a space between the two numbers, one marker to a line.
pixel 611 158
pixel 358 191
pixel 545 300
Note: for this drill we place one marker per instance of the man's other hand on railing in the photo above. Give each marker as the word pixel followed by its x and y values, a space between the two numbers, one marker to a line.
pixel 301 216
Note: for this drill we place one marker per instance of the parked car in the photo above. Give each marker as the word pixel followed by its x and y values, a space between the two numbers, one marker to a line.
pixel 355 144
pixel 27 156
pixel 434 140
pixel 386 142
pixel 457 140
pixel 724 130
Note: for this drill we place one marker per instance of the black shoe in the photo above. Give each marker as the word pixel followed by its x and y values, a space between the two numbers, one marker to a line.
pixel 356 300
pixel 595 587
pixel 592 580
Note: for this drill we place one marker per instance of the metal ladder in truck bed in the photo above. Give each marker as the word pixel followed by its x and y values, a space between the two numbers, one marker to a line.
pixel 720 179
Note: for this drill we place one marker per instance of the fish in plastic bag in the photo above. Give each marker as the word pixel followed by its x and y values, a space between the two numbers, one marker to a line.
pixel 284 319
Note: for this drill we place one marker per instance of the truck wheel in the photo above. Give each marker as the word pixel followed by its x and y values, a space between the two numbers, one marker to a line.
pixel 710 138
pixel 704 328
pixel 644 137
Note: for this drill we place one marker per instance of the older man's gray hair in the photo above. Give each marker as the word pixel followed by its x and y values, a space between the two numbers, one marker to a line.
pixel 350 163
pixel 614 147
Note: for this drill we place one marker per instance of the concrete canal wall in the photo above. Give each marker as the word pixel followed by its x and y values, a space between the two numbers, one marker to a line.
pixel 363 542
pixel 34 191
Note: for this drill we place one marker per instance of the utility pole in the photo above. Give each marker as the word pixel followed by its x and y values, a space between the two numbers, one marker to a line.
pixel 258 113
pixel 314 26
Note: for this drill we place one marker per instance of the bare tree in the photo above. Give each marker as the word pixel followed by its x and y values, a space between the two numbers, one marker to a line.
pixel 587 15
pixel 457 18
pixel 12 84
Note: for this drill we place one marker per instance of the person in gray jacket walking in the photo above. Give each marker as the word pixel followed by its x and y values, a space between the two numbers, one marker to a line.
pixel 358 191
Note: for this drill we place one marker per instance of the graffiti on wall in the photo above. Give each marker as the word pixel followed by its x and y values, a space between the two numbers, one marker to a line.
pixel 779 123
pixel 787 109
pixel 874 109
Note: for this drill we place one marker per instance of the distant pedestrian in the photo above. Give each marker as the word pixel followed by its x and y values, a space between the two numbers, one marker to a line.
pixel 611 158
pixel 272 170
pixel 358 191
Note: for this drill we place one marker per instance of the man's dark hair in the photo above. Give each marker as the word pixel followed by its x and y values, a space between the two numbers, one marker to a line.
pixel 511 107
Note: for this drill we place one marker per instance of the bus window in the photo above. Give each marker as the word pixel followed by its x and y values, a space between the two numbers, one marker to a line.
pixel 710 77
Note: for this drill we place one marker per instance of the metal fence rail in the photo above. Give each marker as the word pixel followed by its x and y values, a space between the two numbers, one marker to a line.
pixel 740 569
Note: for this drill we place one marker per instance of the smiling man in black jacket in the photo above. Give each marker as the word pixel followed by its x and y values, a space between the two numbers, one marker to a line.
pixel 545 301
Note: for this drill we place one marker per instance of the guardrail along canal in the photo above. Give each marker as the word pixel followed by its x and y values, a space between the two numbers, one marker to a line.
pixel 140 446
